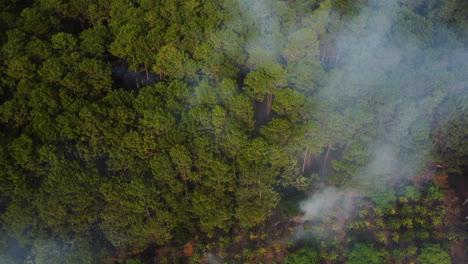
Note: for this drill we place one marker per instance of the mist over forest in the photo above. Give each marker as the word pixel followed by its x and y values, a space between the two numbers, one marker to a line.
pixel 233 131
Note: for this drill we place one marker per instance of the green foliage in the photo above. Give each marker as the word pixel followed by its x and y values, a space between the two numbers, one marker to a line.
pixel 254 208
pixel 410 193
pixel 94 41
pixel 432 254
pixel 289 204
pixel 277 132
pixel 384 198
pixel 181 234
pixel 64 42
pixel 224 105
pixel 364 254
pixel 434 194
pixel 268 77
pixel 303 256
pixel 214 210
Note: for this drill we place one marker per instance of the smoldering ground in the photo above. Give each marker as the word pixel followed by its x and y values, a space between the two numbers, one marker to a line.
pixel 132 79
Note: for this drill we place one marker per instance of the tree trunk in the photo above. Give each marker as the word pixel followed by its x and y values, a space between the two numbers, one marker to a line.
pixel 305 159
pixel 234 167
pixel 148 212
pixel 147 74
pixel 269 103
pixel 325 160
pixel 136 79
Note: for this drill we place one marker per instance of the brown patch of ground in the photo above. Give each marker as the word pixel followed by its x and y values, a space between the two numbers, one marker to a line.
pixel 339 227
pixel 460 184
pixel 455 216
pixel 297 218
pixel 122 253
pixel 441 180
pixel 280 250
pixel 188 249
pixel 161 253
pixel 420 181
pixel 270 254
pixel 459 253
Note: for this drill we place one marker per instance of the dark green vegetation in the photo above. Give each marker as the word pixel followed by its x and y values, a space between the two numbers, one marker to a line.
pixel 130 128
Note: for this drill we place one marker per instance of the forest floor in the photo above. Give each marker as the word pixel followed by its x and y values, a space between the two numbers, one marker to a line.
pixel 456 196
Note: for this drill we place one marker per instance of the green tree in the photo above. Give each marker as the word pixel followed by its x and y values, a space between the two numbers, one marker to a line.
pixel 432 254
pixel 301 43
pixel 182 159
pixel 265 81
pixel 39 49
pixel 170 61
pixel 291 104
pixel 37 21
pixel 384 198
pixel 64 42
pixel 304 255
pixel 214 209
pixel 134 215
pixel 364 253
pixel 253 209
pixel 277 132
pixel 94 41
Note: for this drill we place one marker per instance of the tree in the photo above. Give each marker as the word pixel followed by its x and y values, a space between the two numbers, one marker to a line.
pixel 412 24
pixel 433 254
pixel 217 65
pixel 170 61
pixel 410 192
pixel 14 46
pixel 258 55
pixel 37 21
pixel 304 75
pixel 205 93
pixel 94 41
pixel 127 44
pixel 241 108
pixel 253 209
pixel 304 255
pixel 214 209
pixel 291 104
pixel 227 88
pixel 384 198
pixel 64 42
pixel 53 70
pixel 364 253
pixel 182 159
pixel 97 75
pixel 21 68
pixel 134 215
pixel 301 44
pixel 277 132
pixel 68 199
pixel 39 49
pixel 265 81
pixel 230 43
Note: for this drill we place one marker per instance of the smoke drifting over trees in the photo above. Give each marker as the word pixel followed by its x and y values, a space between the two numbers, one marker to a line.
pixel 393 86
pixel 215 131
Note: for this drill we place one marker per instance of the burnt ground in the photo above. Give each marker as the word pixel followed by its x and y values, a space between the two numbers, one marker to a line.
pixel 457 203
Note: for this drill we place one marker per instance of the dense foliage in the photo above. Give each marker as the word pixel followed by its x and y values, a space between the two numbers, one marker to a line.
pixel 141 131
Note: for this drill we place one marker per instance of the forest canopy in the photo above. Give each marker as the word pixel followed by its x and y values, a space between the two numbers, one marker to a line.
pixel 221 131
